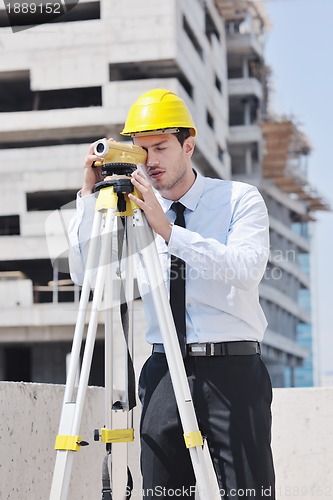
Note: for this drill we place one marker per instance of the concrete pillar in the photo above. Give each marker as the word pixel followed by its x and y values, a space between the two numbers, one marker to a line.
pixel 248 161
pixel 245 68
pixel 247 112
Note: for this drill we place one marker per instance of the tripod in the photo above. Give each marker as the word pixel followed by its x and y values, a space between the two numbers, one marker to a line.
pixel 113 201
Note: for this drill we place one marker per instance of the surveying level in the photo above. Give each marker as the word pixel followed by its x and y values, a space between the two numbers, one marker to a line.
pixel 117 154
pixel 118 161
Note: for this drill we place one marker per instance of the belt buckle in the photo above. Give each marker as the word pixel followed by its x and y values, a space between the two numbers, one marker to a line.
pixel 211 349
pixel 197 350
pixel 204 349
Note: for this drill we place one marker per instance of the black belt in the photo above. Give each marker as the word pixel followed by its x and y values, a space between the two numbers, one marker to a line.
pixel 237 348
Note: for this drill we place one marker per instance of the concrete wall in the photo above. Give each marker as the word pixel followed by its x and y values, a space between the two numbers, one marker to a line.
pixel 302 443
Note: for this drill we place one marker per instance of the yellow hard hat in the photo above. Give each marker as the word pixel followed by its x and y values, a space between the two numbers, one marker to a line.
pixel 158 111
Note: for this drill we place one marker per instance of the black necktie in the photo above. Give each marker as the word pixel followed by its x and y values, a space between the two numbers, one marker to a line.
pixel 177 285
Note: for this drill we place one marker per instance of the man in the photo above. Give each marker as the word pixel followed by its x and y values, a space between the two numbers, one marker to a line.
pixel 220 232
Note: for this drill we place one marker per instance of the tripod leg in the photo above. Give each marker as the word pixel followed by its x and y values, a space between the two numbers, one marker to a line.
pixel 129 293
pixel 68 440
pixel 108 355
pixel 122 418
pixel 192 435
pixel 84 299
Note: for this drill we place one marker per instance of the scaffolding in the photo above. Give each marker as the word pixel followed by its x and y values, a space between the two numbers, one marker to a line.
pixel 239 10
pixel 285 162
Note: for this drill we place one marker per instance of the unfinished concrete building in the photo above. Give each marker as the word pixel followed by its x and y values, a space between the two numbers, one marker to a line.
pixel 272 153
pixel 69 83
pixel 292 203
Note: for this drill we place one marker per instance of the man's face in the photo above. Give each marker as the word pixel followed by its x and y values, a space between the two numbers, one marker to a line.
pixel 168 163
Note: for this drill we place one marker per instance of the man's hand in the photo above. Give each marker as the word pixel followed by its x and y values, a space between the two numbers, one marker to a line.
pixel 91 174
pixel 156 218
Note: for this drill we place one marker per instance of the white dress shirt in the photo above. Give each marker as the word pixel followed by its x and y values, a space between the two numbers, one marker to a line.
pixel 225 245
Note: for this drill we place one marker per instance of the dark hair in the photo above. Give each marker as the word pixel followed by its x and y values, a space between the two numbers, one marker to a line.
pixel 182 135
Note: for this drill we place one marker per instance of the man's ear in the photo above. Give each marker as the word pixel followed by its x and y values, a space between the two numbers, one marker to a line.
pixel 189 145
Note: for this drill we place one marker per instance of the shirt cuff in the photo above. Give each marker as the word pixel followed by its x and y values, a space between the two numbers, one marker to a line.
pixel 85 204
pixel 180 240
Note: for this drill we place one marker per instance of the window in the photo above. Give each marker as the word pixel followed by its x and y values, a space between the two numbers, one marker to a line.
pixel 210 26
pixel 220 153
pixel 210 120
pixel 142 70
pixel 17 364
pixel 67 98
pixel 15 92
pixel 188 30
pixel 218 84
pixel 9 225
pixel 16 95
pixel 50 200
pixel 35 143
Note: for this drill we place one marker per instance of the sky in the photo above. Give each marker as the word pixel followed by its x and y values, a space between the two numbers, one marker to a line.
pixel 299 51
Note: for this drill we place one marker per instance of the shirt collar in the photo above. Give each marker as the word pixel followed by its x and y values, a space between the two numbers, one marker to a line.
pixel 190 199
